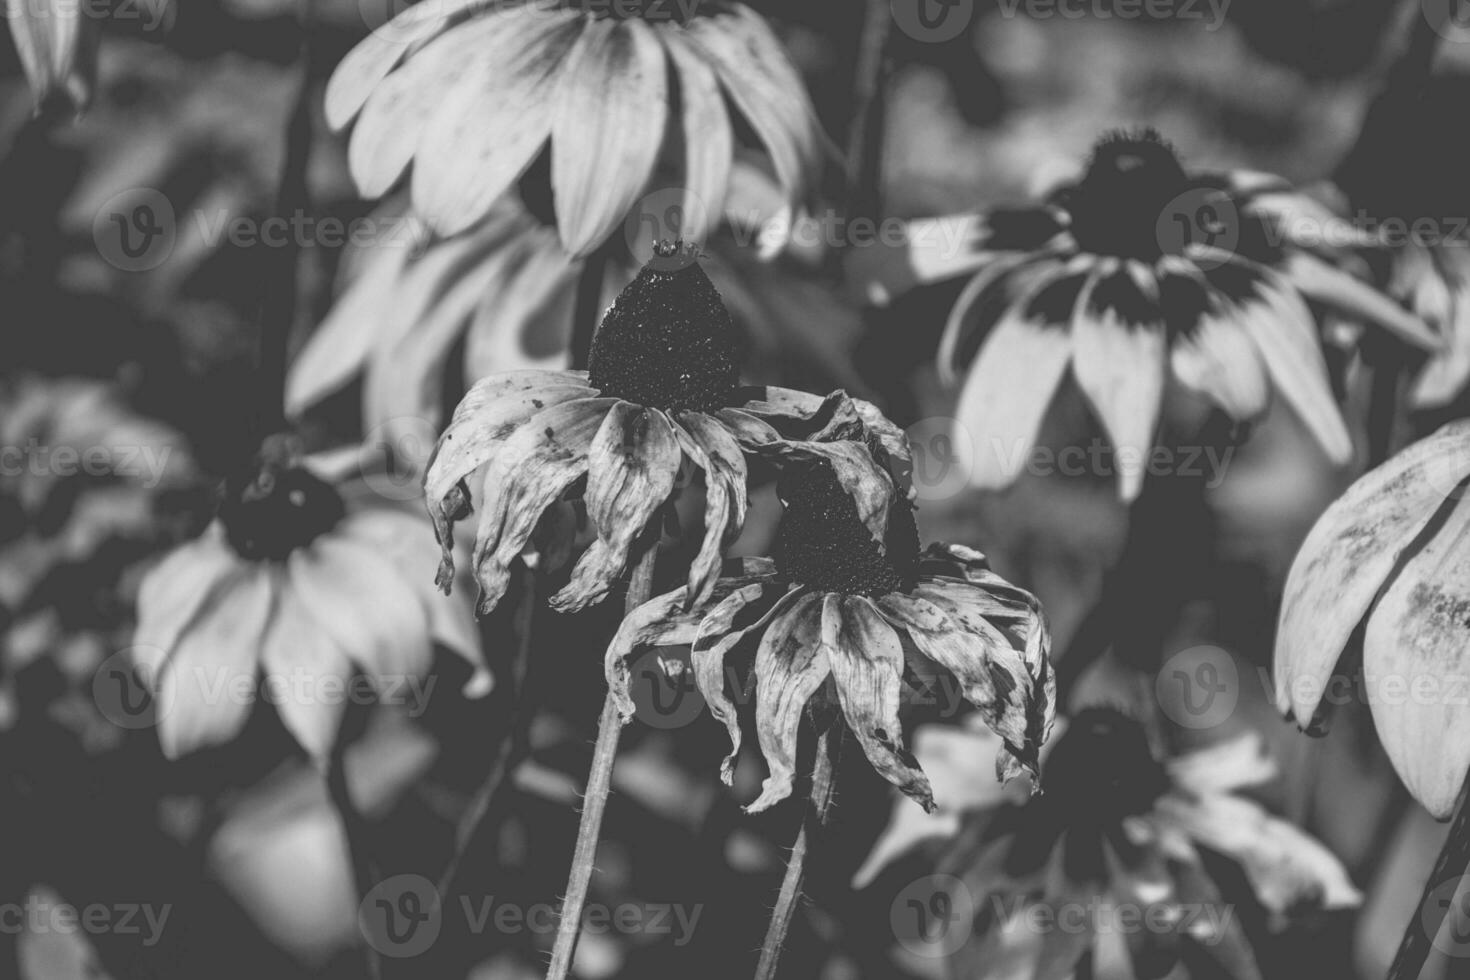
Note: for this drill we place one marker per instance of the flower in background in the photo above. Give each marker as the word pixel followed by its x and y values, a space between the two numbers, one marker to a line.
pixel 848 598
pixel 662 385
pixel 1117 833
pixel 289 584
pixel 57 44
pixel 469 94
pixel 1138 273
pixel 1390 557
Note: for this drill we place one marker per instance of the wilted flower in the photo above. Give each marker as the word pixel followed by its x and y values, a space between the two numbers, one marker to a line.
pixel 1138 273
pixel 57 44
pixel 663 384
pixel 471 92
pixel 289 584
pixel 847 613
pixel 1117 833
pixel 1390 557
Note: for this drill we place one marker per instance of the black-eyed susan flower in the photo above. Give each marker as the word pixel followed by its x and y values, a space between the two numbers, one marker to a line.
pixel 57 44
pixel 290 593
pixel 846 614
pixel 1107 868
pixel 1137 275
pixel 1390 557
pixel 662 385
pixel 469 93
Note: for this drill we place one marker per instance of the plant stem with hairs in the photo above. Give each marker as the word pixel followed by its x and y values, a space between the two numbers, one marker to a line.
pixel 829 752
pixel 599 783
pixel 1428 916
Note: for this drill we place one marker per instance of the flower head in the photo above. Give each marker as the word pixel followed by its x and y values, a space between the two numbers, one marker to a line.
pixel 1138 274
pixel 1390 557
pixel 289 584
pixel 662 386
pixel 1118 830
pixel 470 93
pixel 845 614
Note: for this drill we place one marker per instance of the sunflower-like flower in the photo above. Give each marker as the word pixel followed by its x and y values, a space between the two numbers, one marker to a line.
pixel 1138 273
pixel 846 613
pixel 1390 557
pixel 289 585
pixel 470 92
pixel 57 44
pixel 662 385
pixel 1118 833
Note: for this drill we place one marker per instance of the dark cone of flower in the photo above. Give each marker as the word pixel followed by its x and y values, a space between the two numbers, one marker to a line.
pixel 1131 181
pixel 823 543
pixel 667 341
pixel 282 508
pixel 1103 766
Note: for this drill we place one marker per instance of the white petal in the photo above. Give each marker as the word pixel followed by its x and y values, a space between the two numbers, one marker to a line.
pixel 708 142
pixel 177 591
pixel 1330 286
pixel 309 670
pixel 1218 359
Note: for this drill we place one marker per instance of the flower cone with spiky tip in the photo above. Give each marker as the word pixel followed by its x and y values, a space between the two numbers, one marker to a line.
pixel 1116 829
pixel 662 385
pixel 289 584
pixel 470 92
pixel 846 613
pixel 1391 557
pixel 1140 273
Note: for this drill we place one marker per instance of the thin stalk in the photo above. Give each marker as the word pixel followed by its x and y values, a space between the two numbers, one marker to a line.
pixel 588 309
pixel 357 833
pixel 865 131
pixel 829 750
pixel 1452 862
pixel 599 782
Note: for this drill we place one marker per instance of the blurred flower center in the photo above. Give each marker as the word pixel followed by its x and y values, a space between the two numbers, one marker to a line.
pixel 1121 206
pixel 668 342
pixel 822 543
pixel 280 510
pixel 1103 766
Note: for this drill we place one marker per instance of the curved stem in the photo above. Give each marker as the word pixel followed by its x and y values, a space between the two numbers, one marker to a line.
pixel 1453 860
pixel 829 750
pixel 599 782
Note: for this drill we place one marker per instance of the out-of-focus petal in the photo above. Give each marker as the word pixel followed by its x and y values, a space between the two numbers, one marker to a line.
pixel 1330 286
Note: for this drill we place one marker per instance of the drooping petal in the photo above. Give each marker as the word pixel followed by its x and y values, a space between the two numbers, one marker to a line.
pixel 726 498
pixel 607 125
pixel 709 142
pixel 207 688
pixel 177 592
pixel 1348 555
pixel 1218 359
pixel 791 664
pixel 307 668
pixel 1447 372
pixel 866 659
pixel 994 292
pixel 631 471
pixel 1413 667
pixel 485 130
pixel 749 430
pixel 1118 349
pixel 532 468
pixel 1001 409
pixel 1330 286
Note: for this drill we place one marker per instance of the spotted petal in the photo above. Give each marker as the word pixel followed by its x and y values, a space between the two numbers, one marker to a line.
pixel 791 664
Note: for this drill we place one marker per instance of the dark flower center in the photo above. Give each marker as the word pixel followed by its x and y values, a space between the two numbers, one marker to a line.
pixel 1102 765
pixel 823 543
pixel 668 342
pixel 1122 205
pixel 281 509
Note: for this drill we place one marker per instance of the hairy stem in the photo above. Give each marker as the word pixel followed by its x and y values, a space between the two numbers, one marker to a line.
pixel 829 750
pixel 1451 864
pixel 599 782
